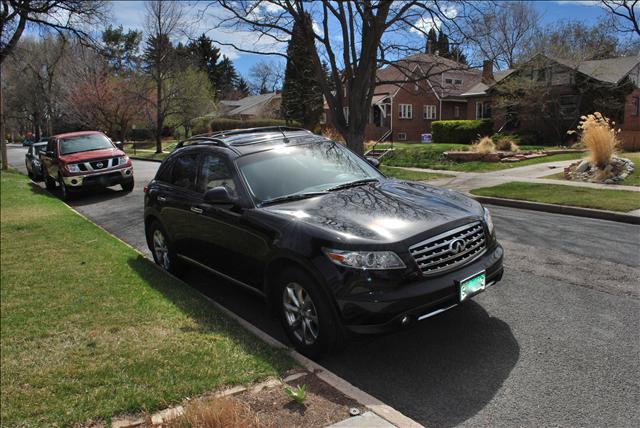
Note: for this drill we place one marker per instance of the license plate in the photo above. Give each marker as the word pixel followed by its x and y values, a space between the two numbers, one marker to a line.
pixel 472 285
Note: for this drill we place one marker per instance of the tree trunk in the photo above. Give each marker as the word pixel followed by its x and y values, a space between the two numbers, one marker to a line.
pixel 5 164
pixel 159 118
pixel 355 140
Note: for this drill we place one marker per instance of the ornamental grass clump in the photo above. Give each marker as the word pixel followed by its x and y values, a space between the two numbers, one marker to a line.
pixel 484 145
pixel 506 144
pixel 599 137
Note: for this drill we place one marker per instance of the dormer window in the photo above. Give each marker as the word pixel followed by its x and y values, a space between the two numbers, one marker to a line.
pixel 449 81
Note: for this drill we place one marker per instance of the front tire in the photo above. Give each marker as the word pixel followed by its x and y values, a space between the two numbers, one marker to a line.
pixel 65 193
pixel 162 249
pixel 127 187
pixel 306 314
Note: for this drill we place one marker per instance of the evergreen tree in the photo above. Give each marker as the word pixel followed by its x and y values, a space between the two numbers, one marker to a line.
pixel 443 45
pixel 456 54
pixel 204 55
pixel 226 78
pixel 301 94
pixel 243 88
pixel 120 49
pixel 432 42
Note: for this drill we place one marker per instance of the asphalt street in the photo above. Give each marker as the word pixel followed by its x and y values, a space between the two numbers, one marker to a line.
pixel 555 343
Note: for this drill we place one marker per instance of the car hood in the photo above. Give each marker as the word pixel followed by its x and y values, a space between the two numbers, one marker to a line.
pixel 386 212
pixel 92 154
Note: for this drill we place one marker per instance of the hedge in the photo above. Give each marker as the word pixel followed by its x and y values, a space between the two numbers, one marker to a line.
pixel 225 124
pixel 460 131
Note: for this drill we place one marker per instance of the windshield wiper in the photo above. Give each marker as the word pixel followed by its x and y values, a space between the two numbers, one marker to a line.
pixel 292 197
pixel 352 184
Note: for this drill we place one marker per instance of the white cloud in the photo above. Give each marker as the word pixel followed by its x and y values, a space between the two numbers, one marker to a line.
pixel 579 2
pixel 426 22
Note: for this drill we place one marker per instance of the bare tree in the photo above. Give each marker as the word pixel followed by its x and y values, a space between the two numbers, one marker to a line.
pixel 625 14
pixel 504 31
pixel 365 42
pixel 266 76
pixel 67 17
pixel 164 20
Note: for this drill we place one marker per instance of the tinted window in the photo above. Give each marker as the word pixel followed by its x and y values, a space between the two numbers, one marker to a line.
pixel 215 172
pixel 183 173
pixel 84 143
pixel 164 174
pixel 300 168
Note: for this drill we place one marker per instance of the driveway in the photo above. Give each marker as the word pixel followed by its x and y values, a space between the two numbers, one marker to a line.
pixel 555 343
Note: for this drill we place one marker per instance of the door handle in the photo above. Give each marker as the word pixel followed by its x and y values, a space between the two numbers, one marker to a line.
pixel 196 210
pixel 162 199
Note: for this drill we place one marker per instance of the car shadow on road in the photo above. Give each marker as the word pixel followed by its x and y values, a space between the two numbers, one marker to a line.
pixel 441 372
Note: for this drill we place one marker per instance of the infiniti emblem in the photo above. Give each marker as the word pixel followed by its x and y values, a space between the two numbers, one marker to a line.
pixel 457 245
pixel 99 165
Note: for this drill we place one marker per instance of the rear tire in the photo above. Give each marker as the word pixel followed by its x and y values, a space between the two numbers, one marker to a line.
pixel 127 187
pixel 49 182
pixel 162 249
pixel 306 314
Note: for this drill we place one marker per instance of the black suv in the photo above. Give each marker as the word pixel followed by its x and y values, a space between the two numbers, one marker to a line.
pixel 330 242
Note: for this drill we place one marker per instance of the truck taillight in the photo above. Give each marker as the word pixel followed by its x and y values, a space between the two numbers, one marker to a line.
pixel 146 189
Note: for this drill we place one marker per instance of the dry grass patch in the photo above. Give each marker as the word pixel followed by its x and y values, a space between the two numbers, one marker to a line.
pixel 484 145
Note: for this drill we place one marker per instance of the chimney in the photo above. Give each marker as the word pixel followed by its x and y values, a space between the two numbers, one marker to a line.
pixel 487 72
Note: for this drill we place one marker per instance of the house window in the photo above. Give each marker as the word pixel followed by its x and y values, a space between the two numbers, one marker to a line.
pixel 429 112
pixel 635 106
pixel 568 105
pixel 402 136
pixel 456 111
pixel 458 81
pixel 345 113
pixel 449 81
pixel 405 111
pixel 323 118
pixel 483 110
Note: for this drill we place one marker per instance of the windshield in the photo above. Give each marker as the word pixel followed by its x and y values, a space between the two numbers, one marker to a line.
pixel 84 143
pixel 312 167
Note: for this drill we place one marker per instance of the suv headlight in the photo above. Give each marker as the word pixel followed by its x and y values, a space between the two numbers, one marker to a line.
pixel 122 160
pixel 488 221
pixel 73 167
pixel 374 260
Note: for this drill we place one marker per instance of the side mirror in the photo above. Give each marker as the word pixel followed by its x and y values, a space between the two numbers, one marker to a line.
pixel 218 195
pixel 119 144
pixel 50 154
pixel 373 161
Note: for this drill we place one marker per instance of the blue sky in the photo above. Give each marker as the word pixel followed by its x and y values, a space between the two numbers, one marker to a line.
pixel 130 14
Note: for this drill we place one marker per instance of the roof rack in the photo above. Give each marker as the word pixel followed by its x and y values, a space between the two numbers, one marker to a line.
pixel 214 137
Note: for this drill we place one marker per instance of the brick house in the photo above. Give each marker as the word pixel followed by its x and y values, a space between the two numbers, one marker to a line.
pixel 251 107
pixel 560 91
pixel 426 87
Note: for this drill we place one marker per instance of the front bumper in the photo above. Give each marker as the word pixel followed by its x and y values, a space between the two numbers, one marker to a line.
pixel 100 179
pixel 386 310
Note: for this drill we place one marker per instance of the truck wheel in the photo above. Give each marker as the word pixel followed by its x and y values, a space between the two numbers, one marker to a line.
pixel 49 182
pixel 127 187
pixel 65 193
pixel 306 314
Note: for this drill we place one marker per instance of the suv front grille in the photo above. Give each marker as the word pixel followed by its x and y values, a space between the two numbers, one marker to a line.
pixel 101 164
pixel 450 249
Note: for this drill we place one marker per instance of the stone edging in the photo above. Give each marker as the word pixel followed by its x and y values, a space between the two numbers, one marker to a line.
pixel 380 408
pixel 559 209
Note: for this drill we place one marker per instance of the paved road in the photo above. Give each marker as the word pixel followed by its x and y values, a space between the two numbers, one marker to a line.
pixel 556 343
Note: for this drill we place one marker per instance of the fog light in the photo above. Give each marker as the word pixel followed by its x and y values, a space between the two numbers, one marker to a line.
pixel 128 172
pixel 74 181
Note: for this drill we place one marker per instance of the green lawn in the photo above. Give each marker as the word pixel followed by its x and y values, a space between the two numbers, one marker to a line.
pixel 432 156
pixel 404 174
pixel 90 329
pixel 604 199
pixel 632 180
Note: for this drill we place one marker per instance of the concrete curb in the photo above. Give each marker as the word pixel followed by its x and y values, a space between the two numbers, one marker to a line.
pixel 381 409
pixel 559 209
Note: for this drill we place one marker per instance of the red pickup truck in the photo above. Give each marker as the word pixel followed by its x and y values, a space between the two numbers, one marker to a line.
pixel 87 159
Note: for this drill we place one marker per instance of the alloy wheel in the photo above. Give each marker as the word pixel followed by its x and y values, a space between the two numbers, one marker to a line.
pixel 300 313
pixel 160 249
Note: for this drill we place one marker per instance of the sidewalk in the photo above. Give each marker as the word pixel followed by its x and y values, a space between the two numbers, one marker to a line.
pixel 466 181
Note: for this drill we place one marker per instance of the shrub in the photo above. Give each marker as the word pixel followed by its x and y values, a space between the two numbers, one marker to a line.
pixel 460 131
pixel 140 134
pixel 505 143
pixel 223 124
pixel 200 126
pixel 484 145
pixel 599 137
